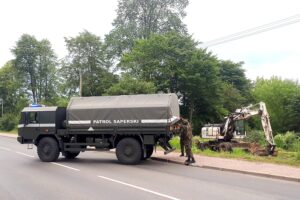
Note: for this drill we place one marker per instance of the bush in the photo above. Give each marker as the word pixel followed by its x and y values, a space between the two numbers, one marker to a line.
pixel 175 142
pixel 279 141
pixel 8 122
pixel 298 156
pixel 255 136
pixel 296 146
pixel 289 139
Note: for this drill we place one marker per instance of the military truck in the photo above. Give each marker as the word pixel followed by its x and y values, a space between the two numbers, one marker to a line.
pixel 133 124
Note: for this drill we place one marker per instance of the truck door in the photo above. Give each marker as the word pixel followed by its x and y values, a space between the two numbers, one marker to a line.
pixel 32 125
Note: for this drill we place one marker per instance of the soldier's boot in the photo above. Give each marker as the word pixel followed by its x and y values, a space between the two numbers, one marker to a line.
pixel 188 161
pixel 182 153
pixel 193 160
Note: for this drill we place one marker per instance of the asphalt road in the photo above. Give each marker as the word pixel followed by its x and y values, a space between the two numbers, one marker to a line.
pixel 98 175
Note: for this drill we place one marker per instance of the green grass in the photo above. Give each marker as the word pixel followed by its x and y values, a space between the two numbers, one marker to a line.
pixel 284 157
pixel 14 131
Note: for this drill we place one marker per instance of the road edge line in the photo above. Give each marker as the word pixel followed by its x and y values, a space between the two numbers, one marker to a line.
pixel 65 166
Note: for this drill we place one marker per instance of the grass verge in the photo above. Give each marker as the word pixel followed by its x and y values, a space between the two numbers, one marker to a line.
pixel 14 131
pixel 284 157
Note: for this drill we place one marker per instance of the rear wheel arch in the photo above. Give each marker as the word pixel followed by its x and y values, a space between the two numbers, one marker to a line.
pixel 119 137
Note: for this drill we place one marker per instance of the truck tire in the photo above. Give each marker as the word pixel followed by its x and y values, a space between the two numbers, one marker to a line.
pixel 47 149
pixel 129 151
pixel 70 155
pixel 149 152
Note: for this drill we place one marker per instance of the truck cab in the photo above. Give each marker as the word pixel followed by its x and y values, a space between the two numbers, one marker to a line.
pixel 38 121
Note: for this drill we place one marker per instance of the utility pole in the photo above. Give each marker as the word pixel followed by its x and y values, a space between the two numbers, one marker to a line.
pixel 80 83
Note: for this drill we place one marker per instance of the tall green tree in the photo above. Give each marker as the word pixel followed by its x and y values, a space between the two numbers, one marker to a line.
pixel 233 74
pixel 201 85
pixel 86 58
pixel 35 64
pixel 173 63
pixel 11 90
pixel 159 59
pixel 282 100
pixel 236 87
pixel 138 19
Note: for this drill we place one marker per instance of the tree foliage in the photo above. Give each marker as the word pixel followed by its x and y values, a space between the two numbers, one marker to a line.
pixel 282 100
pixel 138 19
pixel 174 64
pixel 128 85
pixel 159 59
pixel 11 90
pixel 86 56
pixel 35 64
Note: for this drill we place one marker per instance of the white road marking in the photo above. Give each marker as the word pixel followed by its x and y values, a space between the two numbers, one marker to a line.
pixel 54 163
pixel 4 148
pixel 24 154
pixel 139 188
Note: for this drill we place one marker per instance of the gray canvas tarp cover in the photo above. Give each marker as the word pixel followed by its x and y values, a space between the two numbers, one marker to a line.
pixel 126 110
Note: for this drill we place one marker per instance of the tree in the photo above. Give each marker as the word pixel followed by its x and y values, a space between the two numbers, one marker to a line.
pixel 138 19
pixel 86 58
pixel 159 59
pixel 35 64
pixel 233 74
pixel 199 82
pixel 128 85
pixel 11 90
pixel 281 98
pixel 173 63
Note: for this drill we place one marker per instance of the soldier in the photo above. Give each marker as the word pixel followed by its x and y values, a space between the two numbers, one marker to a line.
pixel 187 136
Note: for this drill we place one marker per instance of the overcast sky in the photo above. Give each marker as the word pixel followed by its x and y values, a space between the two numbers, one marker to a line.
pixel 270 53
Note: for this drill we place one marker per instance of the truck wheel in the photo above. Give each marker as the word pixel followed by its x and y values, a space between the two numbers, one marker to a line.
pixel 149 152
pixel 129 151
pixel 70 155
pixel 48 150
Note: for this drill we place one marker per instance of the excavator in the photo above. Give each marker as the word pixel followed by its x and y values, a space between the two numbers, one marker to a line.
pixel 223 135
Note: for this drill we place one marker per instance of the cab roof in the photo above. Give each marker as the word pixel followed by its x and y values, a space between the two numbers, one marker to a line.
pixel 39 109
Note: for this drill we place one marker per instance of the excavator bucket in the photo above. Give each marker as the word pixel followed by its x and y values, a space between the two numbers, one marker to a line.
pixel 256 149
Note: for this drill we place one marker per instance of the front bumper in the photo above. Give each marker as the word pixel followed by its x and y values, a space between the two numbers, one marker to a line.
pixel 20 140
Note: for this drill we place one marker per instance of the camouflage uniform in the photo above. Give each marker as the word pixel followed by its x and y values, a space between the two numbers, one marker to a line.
pixel 186 132
pixel 182 143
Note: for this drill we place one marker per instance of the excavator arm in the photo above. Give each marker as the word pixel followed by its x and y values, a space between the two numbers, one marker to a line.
pixel 245 113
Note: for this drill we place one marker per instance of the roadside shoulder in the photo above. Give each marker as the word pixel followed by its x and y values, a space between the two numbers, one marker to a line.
pixel 12 135
pixel 282 172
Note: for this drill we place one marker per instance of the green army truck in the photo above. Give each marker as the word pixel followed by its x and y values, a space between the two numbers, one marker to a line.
pixel 133 124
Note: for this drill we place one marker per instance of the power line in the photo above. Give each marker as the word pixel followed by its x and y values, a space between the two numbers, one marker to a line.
pixel 259 27
pixel 253 31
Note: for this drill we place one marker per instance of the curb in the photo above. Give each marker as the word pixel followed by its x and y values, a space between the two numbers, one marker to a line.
pixel 232 170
